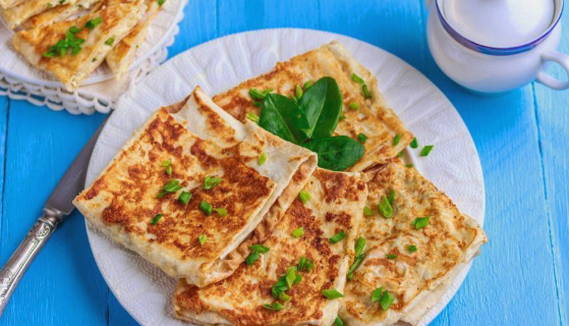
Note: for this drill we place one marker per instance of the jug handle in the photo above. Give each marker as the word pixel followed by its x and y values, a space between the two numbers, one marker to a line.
pixel 548 80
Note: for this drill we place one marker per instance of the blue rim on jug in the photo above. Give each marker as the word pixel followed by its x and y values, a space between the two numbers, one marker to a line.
pixel 559 4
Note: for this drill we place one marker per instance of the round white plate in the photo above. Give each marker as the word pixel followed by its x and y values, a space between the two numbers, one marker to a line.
pixel 14 66
pixel 218 65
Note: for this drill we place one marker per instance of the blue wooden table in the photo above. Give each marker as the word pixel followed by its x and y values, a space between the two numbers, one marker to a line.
pixel 522 276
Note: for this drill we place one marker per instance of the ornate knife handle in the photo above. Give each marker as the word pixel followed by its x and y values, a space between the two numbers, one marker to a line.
pixel 38 235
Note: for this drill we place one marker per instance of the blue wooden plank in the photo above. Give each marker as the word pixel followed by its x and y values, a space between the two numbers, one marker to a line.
pixel 63 285
pixel 553 121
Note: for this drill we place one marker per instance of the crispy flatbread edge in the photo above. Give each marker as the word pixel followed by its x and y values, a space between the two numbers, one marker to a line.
pixel 261 228
pixel 114 232
pixel 330 311
pixel 351 65
pixel 6 4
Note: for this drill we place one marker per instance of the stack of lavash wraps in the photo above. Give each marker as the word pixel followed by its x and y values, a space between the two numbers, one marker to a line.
pixel 257 234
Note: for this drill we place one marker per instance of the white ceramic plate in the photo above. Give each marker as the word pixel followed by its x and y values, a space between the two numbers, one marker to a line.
pixel 142 289
pixel 15 67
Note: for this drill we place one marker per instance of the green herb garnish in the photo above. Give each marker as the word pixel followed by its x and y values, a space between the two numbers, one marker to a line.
pixel 362 138
pixel 262 158
pixel 297 233
pixel 253 117
pixel 414 143
pixel 185 197
pixel 308 84
pixel 256 251
pixel 332 294
pixel 298 92
pixel 167 165
pixel 70 44
pixel 91 24
pixel 210 182
pixel 426 150
pixel 396 139
pixel 202 238
pixel 384 297
pixel 358 79
pixel 170 187
pixel 304 196
pixel 275 306
pixel 354 106
pixel 391 196
pixel 156 218
pixel 110 41
pixel 206 207
pixel 305 264
pixel 259 95
pixel 410 165
pixel 338 237
pixel 411 248
pixel 391 256
pixel 421 222
pixel 368 211
pixel 385 207
pixel 360 246
pixel 338 322
pixel 161 2
pixel 221 211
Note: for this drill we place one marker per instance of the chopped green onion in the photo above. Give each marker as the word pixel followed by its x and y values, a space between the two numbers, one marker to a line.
pixel 298 92
pixel 332 294
pixel 304 196
pixel 161 2
pixel 357 262
pixel 74 29
pixel 91 24
pixel 382 296
pixel 290 276
pixel 297 233
pixel 391 196
pixel 362 138
pixel 400 154
pixel 338 237
pixel 338 322
pixel 170 187
pixel 342 116
pixel 221 211
pixel 396 139
pixel 360 246
pixel 358 79
pixel 368 211
pixel 410 165
pixel 110 41
pixel 284 297
pixel 411 248
pixel 185 197
pixel 385 207
pixel 275 306
pixel 168 166
pixel 252 258
pixel 414 143
pixel 253 117
pixel 305 264
pixel 308 84
pixel 259 95
pixel 421 222
pixel 259 248
pixel 206 207
pixel 366 92
pixel 156 218
pixel 426 150
pixel 69 44
pixel 211 182
pixel 391 256
pixel 262 158
pixel 202 238
pixel 354 106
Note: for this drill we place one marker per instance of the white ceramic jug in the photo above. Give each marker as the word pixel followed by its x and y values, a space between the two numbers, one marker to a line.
pixel 497 45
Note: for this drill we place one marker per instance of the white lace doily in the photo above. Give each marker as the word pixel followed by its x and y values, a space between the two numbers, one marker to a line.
pixel 20 81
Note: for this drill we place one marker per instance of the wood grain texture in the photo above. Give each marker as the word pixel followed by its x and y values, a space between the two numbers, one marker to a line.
pixel 522 276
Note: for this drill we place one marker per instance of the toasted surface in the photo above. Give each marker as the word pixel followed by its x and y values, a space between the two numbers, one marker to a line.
pixel 16 15
pixel 57 14
pixel 449 240
pixel 5 4
pixel 336 205
pixel 374 118
pixel 288 165
pixel 122 55
pixel 118 17
pixel 123 200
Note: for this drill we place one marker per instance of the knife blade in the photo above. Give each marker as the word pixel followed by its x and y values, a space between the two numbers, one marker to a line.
pixel 58 206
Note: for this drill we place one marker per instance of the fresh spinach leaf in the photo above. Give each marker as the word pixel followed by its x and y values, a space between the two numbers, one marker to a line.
pixel 322 105
pixel 282 117
pixel 336 153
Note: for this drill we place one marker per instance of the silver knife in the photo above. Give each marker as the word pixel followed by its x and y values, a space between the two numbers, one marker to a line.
pixel 56 209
